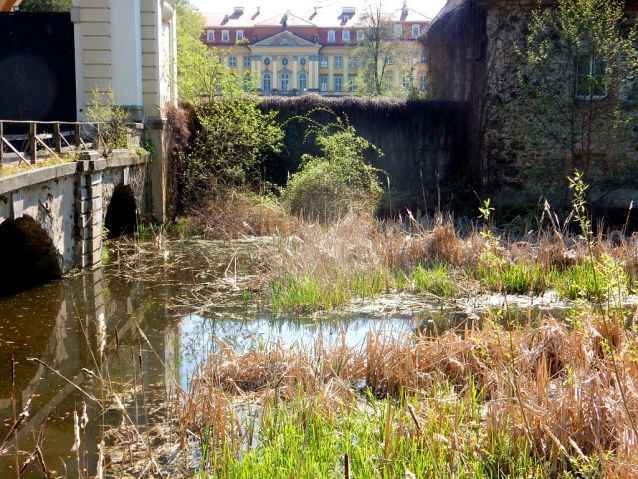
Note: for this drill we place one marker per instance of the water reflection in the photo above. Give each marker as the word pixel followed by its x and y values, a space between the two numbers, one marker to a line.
pixel 65 324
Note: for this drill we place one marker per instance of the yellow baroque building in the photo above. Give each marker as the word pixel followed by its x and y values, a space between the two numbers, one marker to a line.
pixel 289 54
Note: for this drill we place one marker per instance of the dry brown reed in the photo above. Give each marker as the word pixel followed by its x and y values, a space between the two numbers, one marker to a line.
pixel 362 243
pixel 237 214
pixel 549 385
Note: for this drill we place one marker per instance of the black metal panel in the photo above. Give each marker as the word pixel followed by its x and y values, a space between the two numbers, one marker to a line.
pixel 37 67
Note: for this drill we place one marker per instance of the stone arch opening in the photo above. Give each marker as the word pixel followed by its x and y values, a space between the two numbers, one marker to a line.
pixel 27 256
pixel 121 215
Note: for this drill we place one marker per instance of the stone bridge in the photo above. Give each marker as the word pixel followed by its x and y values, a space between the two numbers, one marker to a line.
pixel 53 219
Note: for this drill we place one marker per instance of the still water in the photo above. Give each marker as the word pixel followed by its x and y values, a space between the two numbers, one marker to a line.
pixel 67 322
pixel 184 296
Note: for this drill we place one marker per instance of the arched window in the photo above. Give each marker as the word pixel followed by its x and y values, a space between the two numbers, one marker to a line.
pixel 266 82
pixel 285 82
pixel 303 82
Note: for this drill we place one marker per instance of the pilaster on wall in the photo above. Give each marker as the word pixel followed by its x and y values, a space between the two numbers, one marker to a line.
pixel 90 212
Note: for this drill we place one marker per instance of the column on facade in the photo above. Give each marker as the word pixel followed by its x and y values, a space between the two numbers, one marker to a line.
pixel 295 83
pixel 315 60
pixel 253 70
pixel 346 68
pixel 274 85
pixel 310 73
pixel 331 73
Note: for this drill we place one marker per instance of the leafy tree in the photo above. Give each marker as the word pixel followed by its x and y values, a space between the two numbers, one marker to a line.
pixel 231 133
pixel 577 84
pixel 340 180
pixel 45 5
pixel 379 52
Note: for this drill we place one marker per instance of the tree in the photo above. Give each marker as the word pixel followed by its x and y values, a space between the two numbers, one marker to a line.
pixel 231 133
pixel 46 5
pixel 379 52
pixel 577 84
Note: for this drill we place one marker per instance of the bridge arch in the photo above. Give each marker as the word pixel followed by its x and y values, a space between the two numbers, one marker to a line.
pixel 121 214
pixel 27 256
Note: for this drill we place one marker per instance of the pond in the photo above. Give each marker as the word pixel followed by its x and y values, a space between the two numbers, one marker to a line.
pixel 185 297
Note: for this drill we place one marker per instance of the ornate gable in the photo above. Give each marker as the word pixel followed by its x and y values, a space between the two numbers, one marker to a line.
pixel 284 39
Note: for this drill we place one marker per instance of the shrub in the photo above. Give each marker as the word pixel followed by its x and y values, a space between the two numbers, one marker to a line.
pixel 338 182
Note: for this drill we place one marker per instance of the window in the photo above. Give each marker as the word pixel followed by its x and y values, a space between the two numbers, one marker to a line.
pixel 239 35
pixel 398 30
pixel 423 59
pixel 225 36
pixel 345 36
pixel 423 82
pixel 266 82
pixel 232 62
pixel 406 58
pixel 353 63
pixel 284 61
pixel 323 82
pixel 337 83
pixel 303 62
pixel 360 35
pixel 266 61
pixel 338 62
pixel 389 80
pixel 285 82
pixel 246 62
pixel 389 59
pixel 405 81
pixel 416 29
pixel 210 36
pixel 352 83
pixel 590 77
pixel 324 62
pixel 303 82
pixel 331 35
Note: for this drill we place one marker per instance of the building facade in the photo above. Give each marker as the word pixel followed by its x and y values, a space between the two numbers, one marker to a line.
pixel 289 53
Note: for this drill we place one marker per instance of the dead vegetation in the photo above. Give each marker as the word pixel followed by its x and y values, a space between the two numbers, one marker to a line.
pixel 550 389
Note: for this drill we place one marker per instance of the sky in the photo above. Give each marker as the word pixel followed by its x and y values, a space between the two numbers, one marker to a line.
pixel 426 7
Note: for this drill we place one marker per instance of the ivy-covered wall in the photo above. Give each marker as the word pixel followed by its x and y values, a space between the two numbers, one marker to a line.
pixel 424 143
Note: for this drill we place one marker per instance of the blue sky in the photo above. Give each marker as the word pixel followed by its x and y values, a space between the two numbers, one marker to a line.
pixel 426 7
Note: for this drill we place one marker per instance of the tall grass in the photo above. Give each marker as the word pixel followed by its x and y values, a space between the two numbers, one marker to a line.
pixel 318 267
pixel 537 401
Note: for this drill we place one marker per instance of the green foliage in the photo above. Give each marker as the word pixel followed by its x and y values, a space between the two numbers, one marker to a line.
pixel 437 279
pixel 231 133
pixel 338 182
pixel 45 5
pixel 576 80
pixel 111 123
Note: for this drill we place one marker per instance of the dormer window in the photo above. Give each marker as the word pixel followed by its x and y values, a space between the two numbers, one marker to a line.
pixel 345 36
pixel 225 36
pixel 405 12
pixel 416 29
pixel 398 30
pixel 331 35
pixel 210 35
pixel 345 18
pixel 239 36
pixel 226 18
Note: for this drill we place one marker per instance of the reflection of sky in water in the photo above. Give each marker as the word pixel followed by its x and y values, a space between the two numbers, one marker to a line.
pixel 199 335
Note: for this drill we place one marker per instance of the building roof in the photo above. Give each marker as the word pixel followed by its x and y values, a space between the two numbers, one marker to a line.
pixel 319 19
